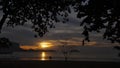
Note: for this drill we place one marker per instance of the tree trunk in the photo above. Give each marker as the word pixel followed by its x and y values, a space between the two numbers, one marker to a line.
pixel 3 21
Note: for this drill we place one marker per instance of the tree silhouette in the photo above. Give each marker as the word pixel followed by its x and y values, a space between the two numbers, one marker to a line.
pixel 41 13
pixel 99 14
pixel 5 43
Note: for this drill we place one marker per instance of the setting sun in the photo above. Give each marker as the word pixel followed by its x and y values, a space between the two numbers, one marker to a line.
pixel 45 44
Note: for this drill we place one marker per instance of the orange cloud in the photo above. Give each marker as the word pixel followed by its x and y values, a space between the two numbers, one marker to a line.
pixel 28 47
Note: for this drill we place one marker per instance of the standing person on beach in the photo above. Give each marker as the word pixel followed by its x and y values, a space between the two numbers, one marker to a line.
pixel 83 43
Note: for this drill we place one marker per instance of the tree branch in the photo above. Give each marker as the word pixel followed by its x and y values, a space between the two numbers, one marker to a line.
pixel 3 21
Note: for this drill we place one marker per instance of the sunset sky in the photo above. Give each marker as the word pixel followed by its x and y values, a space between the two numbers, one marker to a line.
pixel 69 32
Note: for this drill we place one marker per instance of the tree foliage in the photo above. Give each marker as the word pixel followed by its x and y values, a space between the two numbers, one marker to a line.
pixel 41 13
pixel 99 14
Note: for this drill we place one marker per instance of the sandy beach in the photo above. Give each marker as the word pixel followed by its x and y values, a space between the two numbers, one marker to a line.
pixel 57 64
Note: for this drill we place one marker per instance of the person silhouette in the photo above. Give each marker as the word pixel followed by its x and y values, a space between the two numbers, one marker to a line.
pixel 50 57
pixel 83 43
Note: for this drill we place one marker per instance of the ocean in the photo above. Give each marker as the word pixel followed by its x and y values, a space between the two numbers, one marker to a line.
pixel 74 54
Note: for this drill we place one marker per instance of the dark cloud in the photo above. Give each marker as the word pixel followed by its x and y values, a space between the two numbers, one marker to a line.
pixel 70 31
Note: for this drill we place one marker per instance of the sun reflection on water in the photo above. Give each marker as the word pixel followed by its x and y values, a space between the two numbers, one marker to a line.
pixel 43 55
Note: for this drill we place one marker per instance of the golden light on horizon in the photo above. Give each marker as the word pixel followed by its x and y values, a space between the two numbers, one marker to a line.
pixel 45 45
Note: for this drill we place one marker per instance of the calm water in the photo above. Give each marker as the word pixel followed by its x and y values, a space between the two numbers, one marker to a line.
pixel 84 54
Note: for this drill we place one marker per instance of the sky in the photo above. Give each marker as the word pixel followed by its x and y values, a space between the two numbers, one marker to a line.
pixel 69 32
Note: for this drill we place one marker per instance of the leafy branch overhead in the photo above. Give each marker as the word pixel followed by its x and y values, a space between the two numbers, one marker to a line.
pixel 99 14
pixel 42 13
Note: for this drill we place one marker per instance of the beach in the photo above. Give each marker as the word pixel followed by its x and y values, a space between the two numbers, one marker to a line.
pixel 56 64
